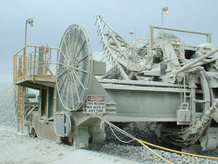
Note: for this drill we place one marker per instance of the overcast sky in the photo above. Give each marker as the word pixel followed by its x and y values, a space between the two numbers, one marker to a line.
pixel 52 17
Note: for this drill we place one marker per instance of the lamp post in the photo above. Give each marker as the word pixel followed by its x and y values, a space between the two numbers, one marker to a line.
pixel 131 34
pixel 166 11
pixel 30 22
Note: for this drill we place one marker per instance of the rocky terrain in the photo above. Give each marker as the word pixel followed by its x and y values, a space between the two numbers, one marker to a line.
pixel 31 150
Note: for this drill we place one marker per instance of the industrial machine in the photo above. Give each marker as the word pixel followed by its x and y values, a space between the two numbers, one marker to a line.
pixel 160 80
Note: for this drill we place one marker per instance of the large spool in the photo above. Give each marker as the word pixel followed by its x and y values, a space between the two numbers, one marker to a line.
pixel 74 68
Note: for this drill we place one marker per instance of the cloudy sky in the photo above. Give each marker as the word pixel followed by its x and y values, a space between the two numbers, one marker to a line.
pixel 52 17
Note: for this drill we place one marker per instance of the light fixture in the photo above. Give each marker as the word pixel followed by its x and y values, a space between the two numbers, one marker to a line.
pixel 165 9
pixel 131 34
pixel 30 22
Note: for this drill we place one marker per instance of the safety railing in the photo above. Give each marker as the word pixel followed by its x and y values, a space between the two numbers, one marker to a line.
pixel 35 61
pixel 152 28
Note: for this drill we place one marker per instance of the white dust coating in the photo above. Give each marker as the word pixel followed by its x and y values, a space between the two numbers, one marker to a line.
pixel 17 148
pixel 24 149
pixel 140 44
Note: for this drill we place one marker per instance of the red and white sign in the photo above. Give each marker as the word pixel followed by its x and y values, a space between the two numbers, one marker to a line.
pixel 96 98
pixel 95 104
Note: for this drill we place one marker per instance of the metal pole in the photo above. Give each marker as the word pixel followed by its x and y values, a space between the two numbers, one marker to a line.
pixel 24 55
pixel 25 34
pixel 162 23
pixel 189 65
pixel 165 9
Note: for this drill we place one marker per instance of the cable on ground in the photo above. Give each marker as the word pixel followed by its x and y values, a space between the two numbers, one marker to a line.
pixel 144 143
pixel 133 139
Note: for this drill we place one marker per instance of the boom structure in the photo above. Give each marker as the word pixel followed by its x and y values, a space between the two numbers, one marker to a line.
pixel 158 79
pixel 164 59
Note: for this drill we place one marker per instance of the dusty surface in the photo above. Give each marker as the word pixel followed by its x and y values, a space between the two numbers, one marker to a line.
pixel 17 148
pixel 22 149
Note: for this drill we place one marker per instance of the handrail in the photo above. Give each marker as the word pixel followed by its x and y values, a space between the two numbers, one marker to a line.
pixel 151 33
pixel 42 46
pixel 34 61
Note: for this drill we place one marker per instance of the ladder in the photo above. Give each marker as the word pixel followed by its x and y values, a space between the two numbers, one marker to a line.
pixel 20 108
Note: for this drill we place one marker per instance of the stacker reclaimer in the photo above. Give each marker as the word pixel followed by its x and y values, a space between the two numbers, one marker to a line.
pixel 159 80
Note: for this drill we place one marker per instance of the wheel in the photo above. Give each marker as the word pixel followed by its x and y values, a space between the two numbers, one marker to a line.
pixel 32 132
pixel 74 68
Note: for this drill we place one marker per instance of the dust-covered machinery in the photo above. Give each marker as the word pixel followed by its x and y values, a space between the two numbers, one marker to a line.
pixel 158 80
pixel 164 81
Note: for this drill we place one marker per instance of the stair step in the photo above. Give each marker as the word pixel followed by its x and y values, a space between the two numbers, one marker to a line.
pixel 200 101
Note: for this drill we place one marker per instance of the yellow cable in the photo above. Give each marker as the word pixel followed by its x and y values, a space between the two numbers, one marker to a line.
pixel 141 142
pixel 179 152
pixel 160 147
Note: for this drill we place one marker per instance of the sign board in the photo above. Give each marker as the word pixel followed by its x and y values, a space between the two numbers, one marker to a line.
pixel 95 104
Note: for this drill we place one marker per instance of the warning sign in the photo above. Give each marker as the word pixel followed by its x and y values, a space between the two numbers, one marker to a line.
pixel 95 104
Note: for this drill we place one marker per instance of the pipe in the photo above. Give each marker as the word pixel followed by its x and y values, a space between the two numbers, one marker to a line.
pixel 189 65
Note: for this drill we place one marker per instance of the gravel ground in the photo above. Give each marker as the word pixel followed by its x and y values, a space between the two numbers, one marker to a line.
pixel 22 149
pixel 141 154
pixel 8 107
pixel 132 151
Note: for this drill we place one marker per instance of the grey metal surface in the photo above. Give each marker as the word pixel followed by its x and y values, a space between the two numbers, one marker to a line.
pixel 99 68
pixel 59 125
pixel 135 103
pixel 62 124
